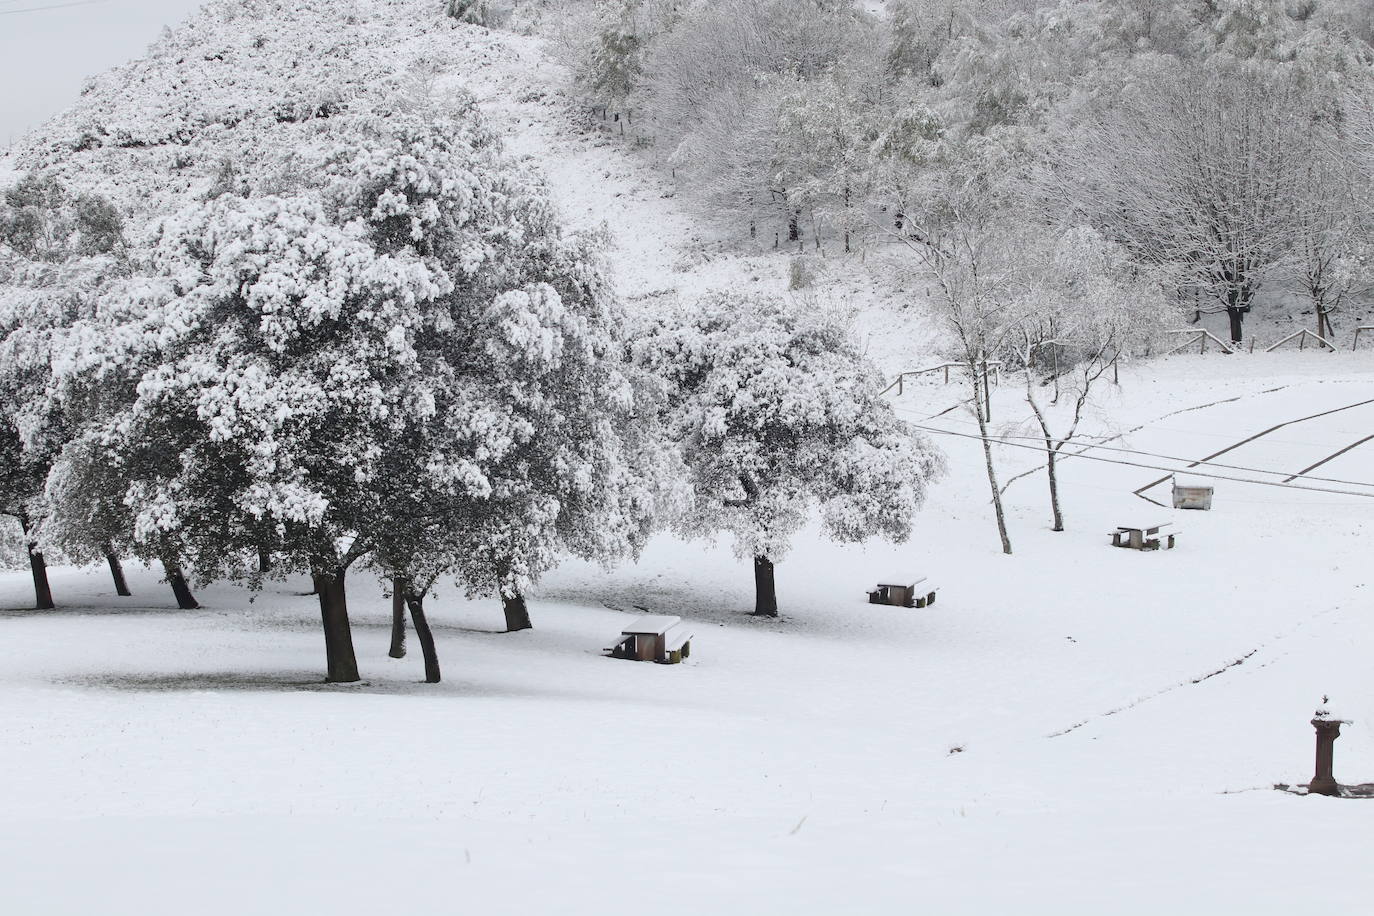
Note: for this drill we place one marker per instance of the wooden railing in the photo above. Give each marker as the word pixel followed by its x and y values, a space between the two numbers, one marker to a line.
pixel 1302 334
pixel 994 365
pixel 1199 336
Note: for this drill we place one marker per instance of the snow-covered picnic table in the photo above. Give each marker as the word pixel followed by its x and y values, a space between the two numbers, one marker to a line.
pixel 654 638
pixel 1145 537
pixel 904 590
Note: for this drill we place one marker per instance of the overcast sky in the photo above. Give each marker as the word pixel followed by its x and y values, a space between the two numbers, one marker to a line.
pixel 46 54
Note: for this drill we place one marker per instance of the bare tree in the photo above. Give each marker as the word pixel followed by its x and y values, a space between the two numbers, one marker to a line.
pixel 1330 250
pixel 961 228
pixel 1193 167
pixel 1087 306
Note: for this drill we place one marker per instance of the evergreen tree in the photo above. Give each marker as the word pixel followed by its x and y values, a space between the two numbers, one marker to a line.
pixel 777 415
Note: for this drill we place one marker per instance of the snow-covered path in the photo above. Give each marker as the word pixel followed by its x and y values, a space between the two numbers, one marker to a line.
pixel 657 245
pixel 661 244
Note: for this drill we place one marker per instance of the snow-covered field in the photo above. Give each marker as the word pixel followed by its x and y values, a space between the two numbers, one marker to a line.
pixel 1072 729
pixel 1045 738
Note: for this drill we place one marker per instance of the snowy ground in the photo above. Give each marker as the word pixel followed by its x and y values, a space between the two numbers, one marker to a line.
pixel 1066 730
pixel 155 757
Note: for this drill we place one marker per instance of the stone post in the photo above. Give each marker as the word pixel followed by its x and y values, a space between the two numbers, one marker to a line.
pixel 1328 730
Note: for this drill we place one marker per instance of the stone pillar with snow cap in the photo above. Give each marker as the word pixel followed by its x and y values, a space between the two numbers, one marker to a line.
pixel 1328 730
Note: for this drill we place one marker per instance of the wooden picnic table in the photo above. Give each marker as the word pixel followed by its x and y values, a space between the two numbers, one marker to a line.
pixel 1145 537
pixel 904 591
pixel 654 638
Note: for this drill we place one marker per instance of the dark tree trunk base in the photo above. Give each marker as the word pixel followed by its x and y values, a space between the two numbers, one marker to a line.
pixel 517 614
pixel 264 560
pixel 341 662
pixel 1237 317
pixel 398 620
pixel 765 592
pixel 185 600
pixel 117 573
pixel 416 603
pixel 42 591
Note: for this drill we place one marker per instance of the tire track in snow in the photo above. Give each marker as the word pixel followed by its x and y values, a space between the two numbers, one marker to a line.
pixel 1158 693
pixel 1191 682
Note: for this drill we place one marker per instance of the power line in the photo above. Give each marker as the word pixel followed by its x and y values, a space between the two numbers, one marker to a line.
pixel 1151 467
pixel 1084 443
pixel 55 6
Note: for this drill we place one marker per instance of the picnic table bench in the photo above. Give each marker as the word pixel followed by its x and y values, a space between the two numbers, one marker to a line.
pixel 661 638
pixel 904 591
pixel 1145 537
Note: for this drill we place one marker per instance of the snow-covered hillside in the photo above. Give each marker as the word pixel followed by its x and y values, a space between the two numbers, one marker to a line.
pixel 1070 729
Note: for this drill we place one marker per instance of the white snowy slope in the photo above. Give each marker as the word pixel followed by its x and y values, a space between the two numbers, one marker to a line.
pixel 660 244
pixel 1075 728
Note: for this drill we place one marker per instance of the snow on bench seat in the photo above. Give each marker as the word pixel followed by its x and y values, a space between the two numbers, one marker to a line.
pixel 677 645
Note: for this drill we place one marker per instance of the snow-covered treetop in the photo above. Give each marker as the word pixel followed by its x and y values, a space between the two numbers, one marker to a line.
pixel 241 78
pixel 347 320
pixel 778 415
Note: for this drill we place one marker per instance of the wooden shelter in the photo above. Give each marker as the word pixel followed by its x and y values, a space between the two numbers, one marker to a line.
pixel 1192 494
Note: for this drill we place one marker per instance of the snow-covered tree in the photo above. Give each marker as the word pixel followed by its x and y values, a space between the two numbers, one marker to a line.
pixel 56 251
pixel 1330 256
pixel 21 492
pixel 367 362
pixel 1085 305
pixel 585 472
pixel 1198 167
pixel 715 83
pixel 777 414
pixel 966 229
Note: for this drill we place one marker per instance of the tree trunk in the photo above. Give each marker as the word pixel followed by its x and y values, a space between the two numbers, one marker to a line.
pixel 416 603
pixel 338 636
pixel 992 471
pixel 398 619
pixel 987 390
pixel 1323 322
pixel 42 592
pixel 1237 316
pixel 1053 456
pixel 264 560
pixel 185 600
pixel 765 590
pixel 117 572
pixel 517 614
